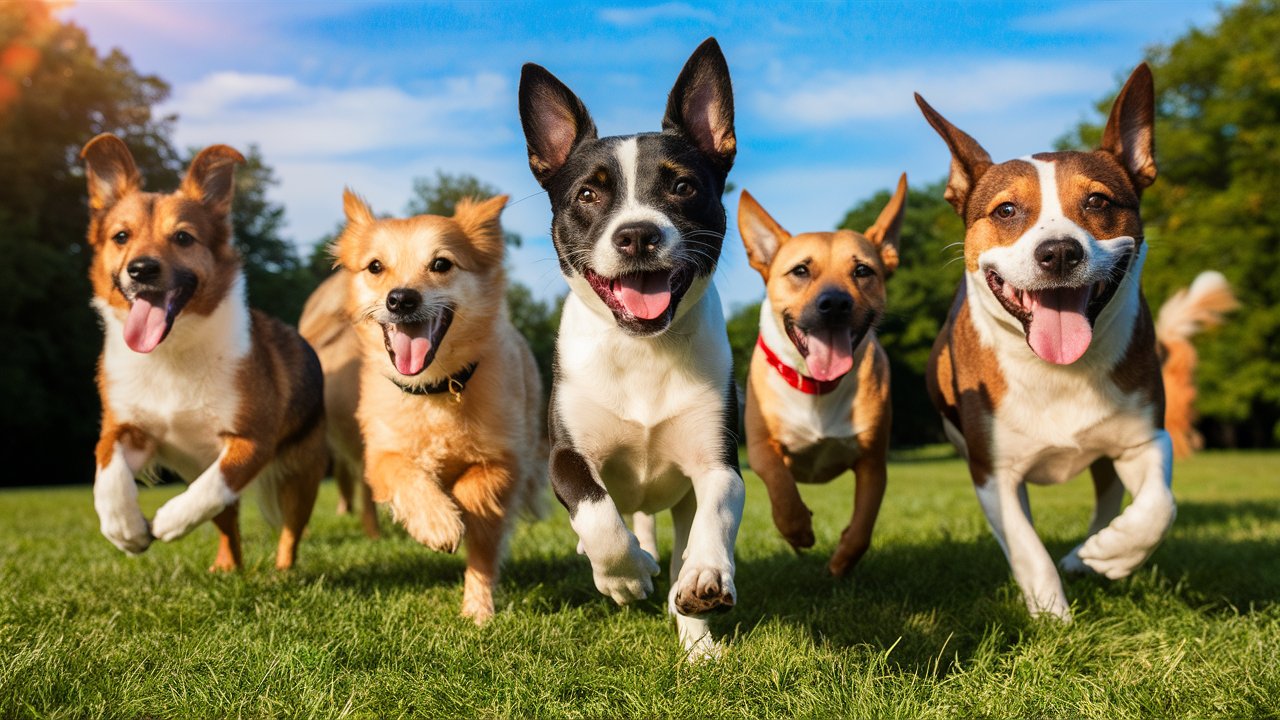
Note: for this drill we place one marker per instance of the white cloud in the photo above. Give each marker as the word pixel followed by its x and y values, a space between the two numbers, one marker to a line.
pixel 638 16
pixel 837 98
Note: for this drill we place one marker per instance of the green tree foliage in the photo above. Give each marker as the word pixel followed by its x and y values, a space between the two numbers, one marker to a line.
pixel 1214 205
pixel 57 92
pixel 919 296
pixel 743 325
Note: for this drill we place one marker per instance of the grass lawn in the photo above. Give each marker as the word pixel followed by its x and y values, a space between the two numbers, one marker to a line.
pixel 929 625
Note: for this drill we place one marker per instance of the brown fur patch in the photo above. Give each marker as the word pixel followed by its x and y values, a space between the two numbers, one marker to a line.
pixel 1015 182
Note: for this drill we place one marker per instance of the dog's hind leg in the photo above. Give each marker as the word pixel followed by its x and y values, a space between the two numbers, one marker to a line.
pixel 694 632
pixel 645 526
pixel 1127 541
pixel 346 478
pixel 297 497
pixel 368 508
pixel 1108 495
pixel 483 493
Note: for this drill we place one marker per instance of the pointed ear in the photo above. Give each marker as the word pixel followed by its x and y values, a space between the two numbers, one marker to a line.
pixel 481 221
pixel 554 121
pixel 968 160
pixel 211 177
pixel 887 229
pixel 1130 133
pixel 110 170
pixel 355 208
pixel 701 105
pixel 761 234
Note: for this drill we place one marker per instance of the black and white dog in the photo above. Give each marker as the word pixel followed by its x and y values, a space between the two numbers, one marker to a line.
pixel 643 411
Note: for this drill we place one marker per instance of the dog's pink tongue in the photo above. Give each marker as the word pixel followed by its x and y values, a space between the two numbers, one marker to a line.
pixel 146 325
pixel 411 350
pixel 645 295
pixel 1060 332
pixel 830 354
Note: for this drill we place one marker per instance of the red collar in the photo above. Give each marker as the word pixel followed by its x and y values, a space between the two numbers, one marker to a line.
pixel 803 383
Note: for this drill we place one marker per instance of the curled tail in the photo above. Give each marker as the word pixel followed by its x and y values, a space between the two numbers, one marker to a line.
pixel 1187 312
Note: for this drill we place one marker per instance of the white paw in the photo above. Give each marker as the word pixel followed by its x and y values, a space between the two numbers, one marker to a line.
pixel 704 589
pixel 202 500
pixel 1055 609
pixel 126 529
pixel 1073 565
pixel 628 579
pixel 702 649
pixel 440 529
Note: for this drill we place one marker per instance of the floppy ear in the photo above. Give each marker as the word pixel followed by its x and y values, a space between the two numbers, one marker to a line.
pixel 481 221
pixel 1130 133
pixel 761 234
pixel 968 160
pixel 701 105
pixel 887 229
pixel 110 170
pixel 344 250
pixel 211 177
pixel 554 121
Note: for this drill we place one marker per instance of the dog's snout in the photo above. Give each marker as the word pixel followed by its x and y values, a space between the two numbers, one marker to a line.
pixel 404 301
pixel 1059 257
pixel 144 269
pixel 835 305
pixel 637 239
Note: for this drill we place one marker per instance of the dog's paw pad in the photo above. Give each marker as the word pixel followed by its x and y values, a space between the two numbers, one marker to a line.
pixel 704 590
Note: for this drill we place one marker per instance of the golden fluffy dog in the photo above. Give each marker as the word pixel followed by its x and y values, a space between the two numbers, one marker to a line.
pixel 818 390
pixel 450 397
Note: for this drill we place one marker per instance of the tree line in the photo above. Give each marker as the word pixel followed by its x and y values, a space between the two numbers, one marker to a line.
pixel 1218 134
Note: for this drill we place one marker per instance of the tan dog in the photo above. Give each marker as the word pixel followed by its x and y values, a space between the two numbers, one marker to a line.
pixel 449 392
pixel 326 324
pixel 818 391
pixel 191 379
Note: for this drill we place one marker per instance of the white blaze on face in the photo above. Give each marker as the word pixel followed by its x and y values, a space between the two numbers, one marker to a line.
pixel 629 209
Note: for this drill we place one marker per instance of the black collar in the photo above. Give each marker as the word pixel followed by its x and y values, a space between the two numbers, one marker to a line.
pixel 454 384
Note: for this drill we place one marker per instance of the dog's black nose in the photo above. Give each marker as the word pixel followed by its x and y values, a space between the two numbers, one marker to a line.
pixel 144 269
pixel 1059 257
pixel 637 239
pixel 403 301
pixel 835 305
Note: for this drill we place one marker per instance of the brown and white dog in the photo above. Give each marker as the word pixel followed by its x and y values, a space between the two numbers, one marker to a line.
pixel 326 324
pixel 1047 364
pixel 191 379
pixel 818 390
pixel 449 392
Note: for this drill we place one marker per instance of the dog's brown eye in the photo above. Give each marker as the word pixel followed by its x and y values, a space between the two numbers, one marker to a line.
pixel 375 267
pixel 1005 211
pixel 800 271
pixel 121 237
pixel 587 196
pixel 441 265
pixel 182 238
pixel 1097 201
pixel 863 270
pixel 682 188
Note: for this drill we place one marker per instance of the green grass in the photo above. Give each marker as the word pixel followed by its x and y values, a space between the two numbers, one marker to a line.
pixel 929 625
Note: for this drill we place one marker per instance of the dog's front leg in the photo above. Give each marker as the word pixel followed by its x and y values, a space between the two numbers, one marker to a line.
pixel 621 569
pixel 870 471
pixel 1118 549
pixel 706 577
pixel 417 501
pixel 115 494
pixel 1003 497
pixel 217 488
pixel 790 515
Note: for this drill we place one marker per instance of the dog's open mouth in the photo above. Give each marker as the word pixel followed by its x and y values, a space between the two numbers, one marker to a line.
pixel 827 352
pixel 645 299
pixel 1058 321
pixel 413 345
pixel 151 316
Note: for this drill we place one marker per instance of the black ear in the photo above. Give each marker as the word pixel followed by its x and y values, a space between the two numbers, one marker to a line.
pixel 554 121
pixel 1130 134
pixel 968 159
pixel 701 105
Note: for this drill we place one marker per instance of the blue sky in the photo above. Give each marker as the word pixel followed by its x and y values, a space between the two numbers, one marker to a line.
pixel 374 94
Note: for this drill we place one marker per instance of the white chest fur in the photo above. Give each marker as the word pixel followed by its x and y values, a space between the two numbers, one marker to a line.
pixel 183 394
pixel 648 413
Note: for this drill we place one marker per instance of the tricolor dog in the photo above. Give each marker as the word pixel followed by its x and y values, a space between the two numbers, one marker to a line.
pixel 643 409
pixel 818 391
pixel 191 379
pixel 1047 363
